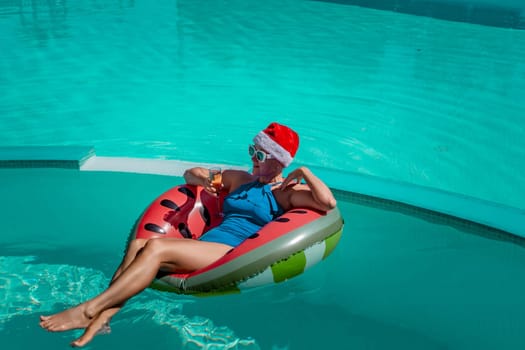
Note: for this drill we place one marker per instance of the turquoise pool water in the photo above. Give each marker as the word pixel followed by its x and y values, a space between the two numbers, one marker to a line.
pixel 398 278
pixel 422 99
pixel 414 98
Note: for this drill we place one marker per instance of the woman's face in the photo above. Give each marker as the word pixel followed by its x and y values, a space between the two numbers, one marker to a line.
pixel 266 167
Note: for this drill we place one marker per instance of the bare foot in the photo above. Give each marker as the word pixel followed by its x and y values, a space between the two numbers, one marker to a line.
pixel 99 325
pixel 73 318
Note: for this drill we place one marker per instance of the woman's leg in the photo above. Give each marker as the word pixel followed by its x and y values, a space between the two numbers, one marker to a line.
pixel 132 250
pixel 101 323
pixel 166 254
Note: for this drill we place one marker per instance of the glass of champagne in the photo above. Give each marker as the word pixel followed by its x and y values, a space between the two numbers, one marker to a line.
pixel 215 174
pixel 216 178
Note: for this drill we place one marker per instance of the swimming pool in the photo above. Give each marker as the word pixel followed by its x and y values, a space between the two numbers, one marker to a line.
pixel 419 100
pixel 411 98
pixel 399 278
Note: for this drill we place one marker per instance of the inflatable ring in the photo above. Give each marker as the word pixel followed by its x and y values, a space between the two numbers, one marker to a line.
pixel 282 249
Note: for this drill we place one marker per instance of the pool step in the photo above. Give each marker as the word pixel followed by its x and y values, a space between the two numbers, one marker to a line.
pixel 69 157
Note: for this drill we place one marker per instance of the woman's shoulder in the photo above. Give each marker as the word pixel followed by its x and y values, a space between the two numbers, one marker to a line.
pixel 233 178
pixel 237 174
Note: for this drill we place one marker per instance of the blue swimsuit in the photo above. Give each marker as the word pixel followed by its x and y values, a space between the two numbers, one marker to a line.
pixel 246 210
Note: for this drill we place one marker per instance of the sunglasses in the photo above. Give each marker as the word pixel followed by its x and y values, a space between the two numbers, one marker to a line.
pixel 261 156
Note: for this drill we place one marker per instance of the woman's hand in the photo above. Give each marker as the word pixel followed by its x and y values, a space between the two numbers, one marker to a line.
pixel 208 186
pixel 295 177
pixel 200 177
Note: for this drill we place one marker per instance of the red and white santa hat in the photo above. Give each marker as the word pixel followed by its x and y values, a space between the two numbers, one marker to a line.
pixel 280 141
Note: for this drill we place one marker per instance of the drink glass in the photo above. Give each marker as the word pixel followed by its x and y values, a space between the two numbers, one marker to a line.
pixel 215 174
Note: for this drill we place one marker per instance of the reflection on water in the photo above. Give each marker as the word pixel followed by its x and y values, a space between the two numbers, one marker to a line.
pixel 43 20
pixel 33 289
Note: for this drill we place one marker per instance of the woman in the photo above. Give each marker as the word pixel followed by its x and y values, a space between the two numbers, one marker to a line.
pixel 253 200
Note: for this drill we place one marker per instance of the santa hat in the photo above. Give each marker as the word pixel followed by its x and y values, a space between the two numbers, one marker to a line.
pixel 280 141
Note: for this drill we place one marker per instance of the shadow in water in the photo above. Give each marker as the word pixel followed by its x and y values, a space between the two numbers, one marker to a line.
pixel 494 15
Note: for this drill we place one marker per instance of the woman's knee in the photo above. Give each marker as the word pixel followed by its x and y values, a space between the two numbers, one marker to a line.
pixel 166 250
pixel 136 244
pixel 153 247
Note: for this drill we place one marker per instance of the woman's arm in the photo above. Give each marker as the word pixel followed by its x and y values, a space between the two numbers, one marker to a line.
pixel 199 176
pixel 315 194
pixel 231 179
